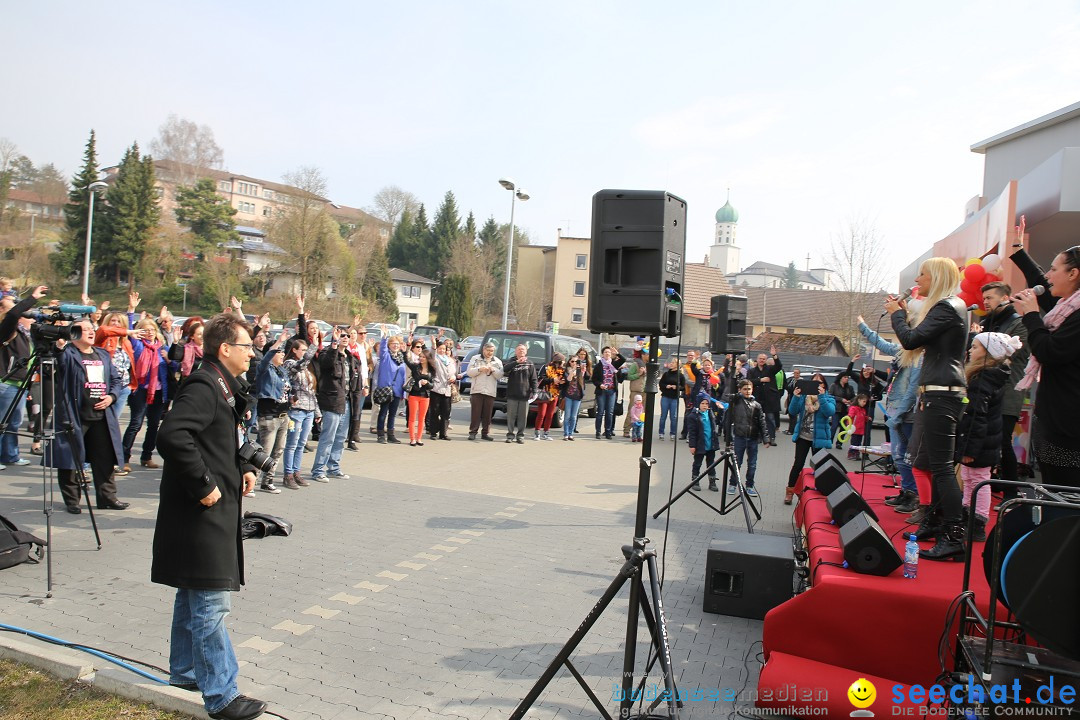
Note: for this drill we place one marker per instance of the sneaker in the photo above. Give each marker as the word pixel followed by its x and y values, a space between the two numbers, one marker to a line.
pixel 570 438
pixel 732 489
pixel 696 486
pixel 21 461
pixel 320 478
pixel 338 476
pixel 510 440
pixel 121 471
pixel 661 438
pixel 472 436
pixel 546 436
pixel 536 436
pixel 249 494
pixel 270 488
pixel 520 441
pixel 487 437
pixel 3 467
pixel 751 491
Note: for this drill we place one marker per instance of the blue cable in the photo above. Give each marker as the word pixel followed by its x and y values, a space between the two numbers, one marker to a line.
pixel 92 651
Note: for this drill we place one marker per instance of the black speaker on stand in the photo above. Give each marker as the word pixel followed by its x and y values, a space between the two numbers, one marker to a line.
pixel 636 276
pixel 866 547
pixel 727 325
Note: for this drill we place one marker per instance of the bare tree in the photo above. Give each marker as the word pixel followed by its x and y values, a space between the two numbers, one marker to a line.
pixel 858 258
pixel 192 147
pixel 8 152
pixel 391 202
pixel 305 229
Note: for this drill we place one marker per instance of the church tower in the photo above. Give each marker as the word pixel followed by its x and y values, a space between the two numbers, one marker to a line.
pixel 724 254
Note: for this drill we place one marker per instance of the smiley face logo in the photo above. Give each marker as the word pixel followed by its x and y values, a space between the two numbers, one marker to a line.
pixel 862 693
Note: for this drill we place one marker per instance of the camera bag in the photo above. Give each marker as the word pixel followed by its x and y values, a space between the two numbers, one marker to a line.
pixel 16 545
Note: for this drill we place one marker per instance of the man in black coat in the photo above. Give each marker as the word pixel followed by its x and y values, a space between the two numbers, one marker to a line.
pixel 198 541
pixel 763 375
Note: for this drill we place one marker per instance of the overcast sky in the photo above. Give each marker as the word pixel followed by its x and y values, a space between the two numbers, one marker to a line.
pixel 812 113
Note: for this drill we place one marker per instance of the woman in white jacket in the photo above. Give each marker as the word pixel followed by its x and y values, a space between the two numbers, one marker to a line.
pixel 485 370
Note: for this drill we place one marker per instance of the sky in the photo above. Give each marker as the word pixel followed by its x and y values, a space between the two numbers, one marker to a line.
pixel 815 115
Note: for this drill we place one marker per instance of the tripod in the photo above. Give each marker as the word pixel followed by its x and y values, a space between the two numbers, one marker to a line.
pixel 732 476
pixel 637 555
pixel 46 366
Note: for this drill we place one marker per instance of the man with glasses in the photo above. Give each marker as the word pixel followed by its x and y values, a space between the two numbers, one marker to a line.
pixel 197 540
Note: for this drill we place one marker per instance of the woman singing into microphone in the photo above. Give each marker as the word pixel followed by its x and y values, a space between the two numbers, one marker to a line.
pixel 937 331
pixel 1055 364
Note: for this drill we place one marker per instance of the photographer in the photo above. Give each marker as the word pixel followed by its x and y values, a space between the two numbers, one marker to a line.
pixel 197 539
pixel 88 386
pixel 335 376
pixel 15 351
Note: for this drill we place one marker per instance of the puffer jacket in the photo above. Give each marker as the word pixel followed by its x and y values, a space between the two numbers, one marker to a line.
pixel 1005 320
pixel 822 429
pixel 978 434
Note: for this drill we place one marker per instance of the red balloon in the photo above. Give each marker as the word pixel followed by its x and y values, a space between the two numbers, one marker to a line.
pixel 991 277
pixel 975 273
pixel 967 286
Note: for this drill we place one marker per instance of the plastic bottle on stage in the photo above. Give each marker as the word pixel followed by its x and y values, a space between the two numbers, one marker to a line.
pixel 911 558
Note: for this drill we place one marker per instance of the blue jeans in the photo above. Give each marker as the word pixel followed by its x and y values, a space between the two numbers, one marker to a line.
pixel 121 400
pixel 200 651
pixel 299 429
pixel 9 446
pixel 570 413
pixel 387 413
pixel 335 427
pixel 901 433
pixel 669 406
pixel 605 411
pixel 140 411
pixel 749 447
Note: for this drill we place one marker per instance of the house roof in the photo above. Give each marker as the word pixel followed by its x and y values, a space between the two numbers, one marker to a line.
pixel 798 344
pixel 779 271
pixel 171 167
pixel 806 308
pixel 1040 123
pixel 29 196
pixel 249 245
pixel 701 283
pixel 405 276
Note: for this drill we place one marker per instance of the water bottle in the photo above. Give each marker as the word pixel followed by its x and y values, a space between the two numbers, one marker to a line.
pixel 911 558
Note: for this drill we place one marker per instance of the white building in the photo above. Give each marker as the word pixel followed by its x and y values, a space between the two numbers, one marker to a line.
pixel 724 253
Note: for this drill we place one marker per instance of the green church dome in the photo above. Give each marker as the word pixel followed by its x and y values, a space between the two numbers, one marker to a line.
pixel 727 214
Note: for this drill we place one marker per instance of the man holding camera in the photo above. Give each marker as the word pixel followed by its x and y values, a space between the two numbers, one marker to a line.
pixel 14 357
pixel 335 376
pixel 197 541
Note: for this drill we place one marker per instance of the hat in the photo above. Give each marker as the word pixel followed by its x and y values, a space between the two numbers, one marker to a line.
pixel 557 357
pixel 637 398
pixel 706 355
pixel 865 366
pixel 999 345
pixel 702 397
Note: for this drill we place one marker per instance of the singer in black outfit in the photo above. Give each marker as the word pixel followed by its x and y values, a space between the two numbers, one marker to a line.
pixel 1055 364
pixel 937 331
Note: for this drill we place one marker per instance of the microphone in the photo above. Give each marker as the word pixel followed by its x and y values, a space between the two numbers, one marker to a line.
pixel 69 309
pixel 903 296
pixel 973 307
pixel 1038 290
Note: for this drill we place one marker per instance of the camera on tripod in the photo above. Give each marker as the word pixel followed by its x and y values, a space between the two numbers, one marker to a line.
pixel 253 453
pixel 48 326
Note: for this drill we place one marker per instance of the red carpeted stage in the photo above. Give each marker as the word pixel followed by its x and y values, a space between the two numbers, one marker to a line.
pixel 847 625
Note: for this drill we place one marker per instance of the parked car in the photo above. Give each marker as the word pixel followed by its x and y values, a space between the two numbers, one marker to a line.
pixel 426 332
pixel 325 328
pixel 468 344
pixel 540 347
pixel 385 330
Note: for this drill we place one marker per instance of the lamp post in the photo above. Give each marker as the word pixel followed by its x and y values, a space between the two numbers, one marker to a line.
pixel 93 188
pixel 516 194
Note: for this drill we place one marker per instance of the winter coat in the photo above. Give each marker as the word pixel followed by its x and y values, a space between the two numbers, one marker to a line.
pixel 943 336
pixel 695 432
pixel 70 383
pixel 903 390
pixel 745 418
pixel 482 383
pixel 1058 394
pixel 110 338
pixel 978 434
pixel 195 546
pixel 672 377
pixel 858 416
pixel 391 372
pixel 842 393
pixel 617 377
pixel 14 343
pixel 822 429
pixel 139 347
pixel 335 376
pixel 444 376
pixel 548 375
pixel 269 380
pixel 1005 320
pixel 520 379
pixel 301 381
pixel 765 389
pixel 417 373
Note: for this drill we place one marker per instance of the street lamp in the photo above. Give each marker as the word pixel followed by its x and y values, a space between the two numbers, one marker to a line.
pixel 516 194
pixel 93 188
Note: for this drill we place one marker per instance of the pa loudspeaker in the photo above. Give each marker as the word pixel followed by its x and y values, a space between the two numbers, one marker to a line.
pixel 748 575
pixel 727 325
pixel 829 476
pixel 866 547
pixel 821 456
pixel 844 503
pixel 636 276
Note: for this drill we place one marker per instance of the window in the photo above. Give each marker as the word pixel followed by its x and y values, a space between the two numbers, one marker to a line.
pixel 247 189
pixel 159 192
pixel 581 261
pixel 577 316
pixel 412 291
pixel 224 185
pixel 790 331
pixel 383 232
pixel 246 207
pixel 268 194
pixel 266 211
pixel 579 289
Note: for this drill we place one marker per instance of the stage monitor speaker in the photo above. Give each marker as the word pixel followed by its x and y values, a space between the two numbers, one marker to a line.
pixel 829 475
pixel 636 276
pixel 866 547
pixel 727 325
pixel 821 456
pixel 845 503
pixel 748 575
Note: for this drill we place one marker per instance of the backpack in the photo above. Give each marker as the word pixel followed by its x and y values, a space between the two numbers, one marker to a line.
pixel 16 544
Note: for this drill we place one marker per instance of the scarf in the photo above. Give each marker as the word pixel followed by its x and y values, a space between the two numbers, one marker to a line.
pixel 1057 315
pixel 354 350
pixel 146 368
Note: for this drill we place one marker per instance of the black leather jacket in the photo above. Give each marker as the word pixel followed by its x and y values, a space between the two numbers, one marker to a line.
pixel 943 335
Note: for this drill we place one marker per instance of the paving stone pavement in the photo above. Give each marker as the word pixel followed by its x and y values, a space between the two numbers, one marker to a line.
pixel 436 582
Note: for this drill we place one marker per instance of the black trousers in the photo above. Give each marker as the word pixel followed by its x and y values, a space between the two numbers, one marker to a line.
pixel 933 446
pixel 802 449
pixel 100 455
pixel 482 406
pixel 438 414
pixel 356 412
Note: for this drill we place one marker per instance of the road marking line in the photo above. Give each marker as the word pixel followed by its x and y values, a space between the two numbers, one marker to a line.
pixel 365 585
pixel 393 575
pixel 474 533
pixel 262 646
pixel 322 612
pixel 427 556
pixel 460 541
pixel 294 628
pixel 411 565
pixel 444 548
pixel 346 598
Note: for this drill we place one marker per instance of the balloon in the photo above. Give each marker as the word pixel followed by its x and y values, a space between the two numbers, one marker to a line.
pixel 991 263
pixel 991 277
pixel 967 286
pixel 973 261
pixel 974 273
pixel 980 312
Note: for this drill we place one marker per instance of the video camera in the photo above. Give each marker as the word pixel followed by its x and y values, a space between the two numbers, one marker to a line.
pixel 49 322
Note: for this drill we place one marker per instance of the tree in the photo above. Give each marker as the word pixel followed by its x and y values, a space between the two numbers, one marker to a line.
pixel 192 147
pixel 408 244
pixel 444 231
pixel 377 287
pixel 391 202
pixel 456 305
pixel 305 230
pixel 130 216
pixel 71 249
pixel 791 277
pixel 207 214
pixel 8 152
pixel 857 257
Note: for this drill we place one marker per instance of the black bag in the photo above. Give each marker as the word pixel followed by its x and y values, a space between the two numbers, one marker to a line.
pixel 382 395
pixel 258 525
pixel 16 544
pixel 543 396
pixel 618 407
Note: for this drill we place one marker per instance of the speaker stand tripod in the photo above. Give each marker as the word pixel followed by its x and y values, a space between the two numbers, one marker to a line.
pixel 638 555
pixel 732 476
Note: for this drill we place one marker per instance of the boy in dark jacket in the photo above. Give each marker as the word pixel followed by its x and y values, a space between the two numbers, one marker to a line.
pixel 744 424
pixel 703 434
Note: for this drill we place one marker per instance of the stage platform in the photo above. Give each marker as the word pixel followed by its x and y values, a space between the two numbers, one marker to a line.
pixel 848 626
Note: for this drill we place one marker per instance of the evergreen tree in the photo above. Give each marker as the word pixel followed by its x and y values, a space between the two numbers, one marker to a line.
pixel 377 286
pixel 444 231
pixel 791 277
pixel 397 247
pixel 68 258
pixel 469 231
pixel 130 216
pixel 207 214
pixel 407 249
pixel 456 305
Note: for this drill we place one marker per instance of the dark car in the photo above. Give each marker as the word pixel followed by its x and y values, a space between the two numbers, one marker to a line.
pixel 428 332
